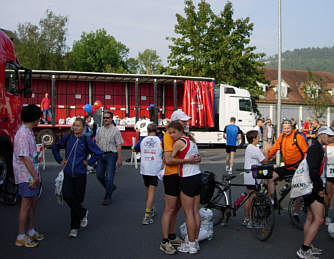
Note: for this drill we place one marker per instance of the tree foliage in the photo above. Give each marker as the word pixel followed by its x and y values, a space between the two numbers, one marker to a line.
pixel 99 52
pixel 42 46
pixel 149 62
pixel 215 45
pixel 314 59
pixel 316 96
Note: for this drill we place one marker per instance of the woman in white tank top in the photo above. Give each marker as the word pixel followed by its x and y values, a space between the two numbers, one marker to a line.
pixel 190 183
pixel 329 177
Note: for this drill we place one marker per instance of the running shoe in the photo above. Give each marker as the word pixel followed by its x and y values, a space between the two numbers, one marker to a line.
pixel 176 241
pixel 316 251
pixel 147 220
pixel 26 242
pixel 197 245
pixel 84 221
pixel 244 222
pixel 73 233
pixel 37 236
pixel 296 217
pixel 306 254
pixel 186 248
pixel 167 248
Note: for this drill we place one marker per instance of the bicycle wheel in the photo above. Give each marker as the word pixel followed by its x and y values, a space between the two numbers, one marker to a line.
pixel 218 205
pixel 297 212
pixel 262 217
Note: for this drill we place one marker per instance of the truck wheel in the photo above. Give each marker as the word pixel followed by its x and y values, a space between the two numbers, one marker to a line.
pixel 241 141
pixel 46 136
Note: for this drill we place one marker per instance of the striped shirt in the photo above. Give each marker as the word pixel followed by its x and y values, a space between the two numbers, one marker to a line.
pixel 109 138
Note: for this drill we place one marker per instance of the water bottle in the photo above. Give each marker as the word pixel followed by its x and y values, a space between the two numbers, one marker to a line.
pixel 210 232
pixel 240 199
pixel 284 189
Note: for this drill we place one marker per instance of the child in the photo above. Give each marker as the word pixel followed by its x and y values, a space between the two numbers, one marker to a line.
pixel 151 163
pixel 253 156
pixel 27 176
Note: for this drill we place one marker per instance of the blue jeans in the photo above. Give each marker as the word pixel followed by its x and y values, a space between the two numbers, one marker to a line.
pixel 45 118
pixel 105 172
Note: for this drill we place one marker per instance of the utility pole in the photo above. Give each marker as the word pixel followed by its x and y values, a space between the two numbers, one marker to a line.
pixel 278 157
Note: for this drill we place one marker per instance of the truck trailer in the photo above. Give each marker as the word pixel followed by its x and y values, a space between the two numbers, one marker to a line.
pixel 128 96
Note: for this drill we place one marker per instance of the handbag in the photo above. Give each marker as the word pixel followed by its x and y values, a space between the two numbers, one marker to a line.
pixel 60 179
pixel 301 183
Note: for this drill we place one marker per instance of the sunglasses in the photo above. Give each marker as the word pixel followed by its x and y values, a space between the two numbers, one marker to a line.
pixel 106 118
pixel 287 122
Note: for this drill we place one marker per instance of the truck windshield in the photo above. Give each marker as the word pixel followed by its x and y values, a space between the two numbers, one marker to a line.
pixel 12 78
pixel 245 105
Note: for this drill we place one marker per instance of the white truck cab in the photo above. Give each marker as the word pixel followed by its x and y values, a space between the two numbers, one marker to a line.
pixel 230 102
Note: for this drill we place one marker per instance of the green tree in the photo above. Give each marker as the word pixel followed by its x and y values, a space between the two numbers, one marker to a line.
pixel 215 46
pixel 42 46
pixel 99 52
pixel 149 62
pixel 316 95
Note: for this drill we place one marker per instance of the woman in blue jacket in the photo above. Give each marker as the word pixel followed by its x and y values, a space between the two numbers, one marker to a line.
pixel 77 147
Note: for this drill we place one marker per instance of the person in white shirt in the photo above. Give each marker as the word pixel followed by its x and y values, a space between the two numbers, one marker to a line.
pixel 259 128
pixel 329 178
pixel 253 156
pixel 150 149
pixel 141 126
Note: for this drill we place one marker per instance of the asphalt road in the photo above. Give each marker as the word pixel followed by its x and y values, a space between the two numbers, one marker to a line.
pixel 116 231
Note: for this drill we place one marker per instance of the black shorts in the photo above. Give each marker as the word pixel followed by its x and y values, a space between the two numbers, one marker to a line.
pixel 191 185
pixel 150 180
pixel 282 171
pixel 230 149
pixel 309 199
pixel 172 184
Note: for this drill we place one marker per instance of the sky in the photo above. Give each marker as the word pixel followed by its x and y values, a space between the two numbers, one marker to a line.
pixel 145 24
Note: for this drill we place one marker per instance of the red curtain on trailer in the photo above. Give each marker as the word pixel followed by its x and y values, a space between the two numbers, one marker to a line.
pixel 198 102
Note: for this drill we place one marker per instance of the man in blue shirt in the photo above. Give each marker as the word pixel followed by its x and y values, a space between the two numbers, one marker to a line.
pixel 231 133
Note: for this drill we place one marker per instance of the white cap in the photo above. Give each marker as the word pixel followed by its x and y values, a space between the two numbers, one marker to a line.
pixel 179 115
pixel 325 130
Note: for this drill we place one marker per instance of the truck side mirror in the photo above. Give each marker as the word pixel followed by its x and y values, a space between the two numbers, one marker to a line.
pixel 27 83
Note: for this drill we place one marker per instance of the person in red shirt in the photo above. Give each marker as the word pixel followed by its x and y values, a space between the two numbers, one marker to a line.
pixel 45 107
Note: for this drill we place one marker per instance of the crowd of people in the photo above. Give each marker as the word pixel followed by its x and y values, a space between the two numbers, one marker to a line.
pixel 175 158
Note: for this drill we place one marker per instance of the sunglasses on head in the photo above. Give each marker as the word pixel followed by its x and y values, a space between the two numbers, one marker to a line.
pixel 287 122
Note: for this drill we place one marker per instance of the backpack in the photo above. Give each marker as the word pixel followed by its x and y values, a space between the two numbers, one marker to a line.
pixel 297 145
pixel 207 187
pixel 85 141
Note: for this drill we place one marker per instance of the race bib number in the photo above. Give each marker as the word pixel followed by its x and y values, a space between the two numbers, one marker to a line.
pixel 330 171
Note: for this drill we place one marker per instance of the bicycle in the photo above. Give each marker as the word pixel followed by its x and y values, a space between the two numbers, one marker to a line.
pixel 262 215
pixel 295 204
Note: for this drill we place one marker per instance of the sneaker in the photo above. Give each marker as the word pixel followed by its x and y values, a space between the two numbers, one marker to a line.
pixel 26 242
pixel 227 168
pixel 167 248
pixel 147 220
pixel 176 242
pixel 230 171
pixel 249 225
pixel 186 248
pixel 328 220
pixel 316 251
pixel 37 236
pixel 73 233
pixel 306 254
pixel 197 246
pixel 84 221
pixel 244 222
